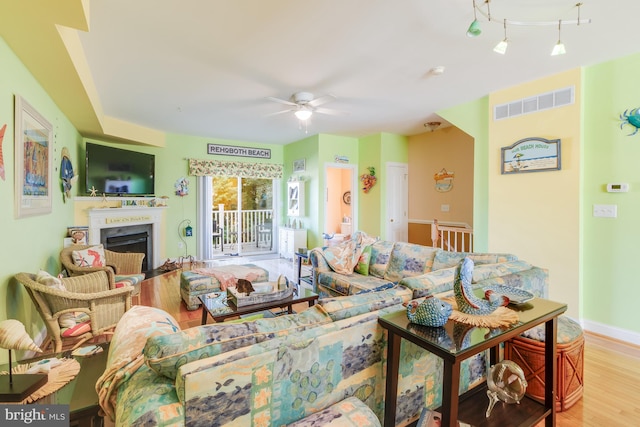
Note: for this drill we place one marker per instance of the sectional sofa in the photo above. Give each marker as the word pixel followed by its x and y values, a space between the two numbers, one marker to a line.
pixel 425 270
pixel 323 365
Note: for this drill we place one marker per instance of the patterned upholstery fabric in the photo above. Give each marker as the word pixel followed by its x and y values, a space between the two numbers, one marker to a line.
pixel 166 353
pixel 203 281
pixel 408 259
pixel 439 281
pixel 345 307
pixel 349 284
pixel 568 331
pixel 380 253
pixel 446 259
pixel 125 350
pixel 288 378
pixel 349 412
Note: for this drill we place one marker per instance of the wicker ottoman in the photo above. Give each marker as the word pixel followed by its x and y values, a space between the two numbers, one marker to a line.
pixel 205 280
pixel 527 351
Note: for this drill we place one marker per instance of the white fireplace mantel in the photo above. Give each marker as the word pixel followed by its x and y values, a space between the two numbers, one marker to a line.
pixel 100 218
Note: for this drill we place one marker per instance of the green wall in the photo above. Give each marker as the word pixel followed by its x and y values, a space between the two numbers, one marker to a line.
pixel 34 242
pixel 172 164
pixel 610 245
pixel 305 149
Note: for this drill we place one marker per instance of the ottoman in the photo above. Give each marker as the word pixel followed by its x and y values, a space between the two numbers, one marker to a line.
pixel 527 350
pixel 200 281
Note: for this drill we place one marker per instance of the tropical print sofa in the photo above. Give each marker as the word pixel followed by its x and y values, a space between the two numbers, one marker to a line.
pixel 424 269
pixel 307 368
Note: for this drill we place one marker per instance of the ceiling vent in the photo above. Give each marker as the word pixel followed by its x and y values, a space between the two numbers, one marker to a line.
pixel 544 101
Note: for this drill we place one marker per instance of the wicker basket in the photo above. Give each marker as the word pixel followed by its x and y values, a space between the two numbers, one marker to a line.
pixel 529 355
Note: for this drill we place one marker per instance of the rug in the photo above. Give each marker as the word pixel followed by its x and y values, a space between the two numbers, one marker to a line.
pixel 501 317
pixel 59 376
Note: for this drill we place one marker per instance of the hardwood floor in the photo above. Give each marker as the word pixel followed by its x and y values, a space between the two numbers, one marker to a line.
pixel 611 369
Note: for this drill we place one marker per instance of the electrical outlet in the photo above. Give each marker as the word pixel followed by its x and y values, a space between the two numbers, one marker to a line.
pixel 180 245
pixel 605 211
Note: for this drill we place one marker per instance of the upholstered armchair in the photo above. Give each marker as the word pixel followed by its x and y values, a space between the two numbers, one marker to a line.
pixel 122 268
pixel 77 308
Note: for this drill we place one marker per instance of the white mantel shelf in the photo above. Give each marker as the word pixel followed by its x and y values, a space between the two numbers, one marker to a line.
pixel 100 218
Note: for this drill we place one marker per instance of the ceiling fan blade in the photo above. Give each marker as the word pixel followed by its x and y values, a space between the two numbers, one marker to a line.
pixel 329 111
pixel 281 101
pixel 321 100
pixel 280 112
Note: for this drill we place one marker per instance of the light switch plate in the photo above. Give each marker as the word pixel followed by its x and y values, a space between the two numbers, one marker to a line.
pixel 605 211
pixel 444 208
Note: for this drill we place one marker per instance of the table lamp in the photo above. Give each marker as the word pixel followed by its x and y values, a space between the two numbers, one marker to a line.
pixel 16 388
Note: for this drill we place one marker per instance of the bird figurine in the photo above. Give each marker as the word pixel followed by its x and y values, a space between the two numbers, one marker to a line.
pixel 430 312
pixel 466 300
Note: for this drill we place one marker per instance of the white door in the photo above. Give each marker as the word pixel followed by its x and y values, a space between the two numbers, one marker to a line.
pixel 397 221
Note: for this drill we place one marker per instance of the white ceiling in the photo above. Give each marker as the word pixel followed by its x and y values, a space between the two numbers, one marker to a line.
pixel 205 67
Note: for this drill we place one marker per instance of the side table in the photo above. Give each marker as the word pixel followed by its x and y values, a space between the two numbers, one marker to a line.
pixel 308 280
pixel 80 393
pixel 471 407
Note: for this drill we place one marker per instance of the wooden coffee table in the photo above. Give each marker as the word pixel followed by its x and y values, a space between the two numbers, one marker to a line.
pixel 211 306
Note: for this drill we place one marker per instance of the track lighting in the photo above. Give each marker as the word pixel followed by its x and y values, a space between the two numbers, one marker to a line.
pixel 501 48
pixel 559 48
pixel 474 29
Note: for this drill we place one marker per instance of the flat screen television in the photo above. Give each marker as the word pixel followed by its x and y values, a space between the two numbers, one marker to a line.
pixel 119 172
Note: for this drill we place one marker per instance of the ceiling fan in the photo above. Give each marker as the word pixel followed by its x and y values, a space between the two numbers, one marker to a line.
pixel 304 105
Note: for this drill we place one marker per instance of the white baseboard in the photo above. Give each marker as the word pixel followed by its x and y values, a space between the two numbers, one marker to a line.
pixel 611 331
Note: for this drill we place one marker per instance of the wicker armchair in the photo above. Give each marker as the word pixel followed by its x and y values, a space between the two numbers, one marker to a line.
pixel 90 293
pixel 119 266
pixel 117 262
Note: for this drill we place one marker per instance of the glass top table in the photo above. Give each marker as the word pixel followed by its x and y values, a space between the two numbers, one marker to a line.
pixel 216 305
pixel 455 342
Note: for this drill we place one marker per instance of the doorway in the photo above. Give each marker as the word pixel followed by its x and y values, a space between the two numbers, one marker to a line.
pixel 397 221
pixel 341 202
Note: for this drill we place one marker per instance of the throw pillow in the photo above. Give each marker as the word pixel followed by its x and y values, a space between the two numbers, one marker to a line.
pixel 90 257
pixel 363 262
pixel 66 320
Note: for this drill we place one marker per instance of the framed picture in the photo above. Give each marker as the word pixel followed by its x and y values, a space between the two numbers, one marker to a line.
pixel 299 165
pixel 33 161
pixel 531 155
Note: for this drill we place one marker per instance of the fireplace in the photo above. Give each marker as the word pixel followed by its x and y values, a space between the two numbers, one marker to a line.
pixel 130 238
pixel 135 229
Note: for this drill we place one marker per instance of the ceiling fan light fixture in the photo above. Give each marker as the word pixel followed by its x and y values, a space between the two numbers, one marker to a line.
pixel 303 114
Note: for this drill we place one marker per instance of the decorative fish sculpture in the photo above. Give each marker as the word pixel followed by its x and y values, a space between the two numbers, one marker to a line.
pixel 430 312
pixel 467 301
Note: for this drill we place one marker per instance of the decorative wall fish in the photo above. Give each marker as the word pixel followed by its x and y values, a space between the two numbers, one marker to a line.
pixel 467 301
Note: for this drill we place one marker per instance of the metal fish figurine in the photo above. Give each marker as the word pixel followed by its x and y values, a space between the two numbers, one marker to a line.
pixel 430 312
pixel 466 300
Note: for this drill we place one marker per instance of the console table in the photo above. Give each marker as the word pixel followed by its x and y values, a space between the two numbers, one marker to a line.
pixel 471 407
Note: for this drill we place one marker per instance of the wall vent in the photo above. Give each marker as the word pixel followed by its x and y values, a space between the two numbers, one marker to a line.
pixel 544 101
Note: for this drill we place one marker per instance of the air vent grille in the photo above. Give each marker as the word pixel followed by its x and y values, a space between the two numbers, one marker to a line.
pixel 544 101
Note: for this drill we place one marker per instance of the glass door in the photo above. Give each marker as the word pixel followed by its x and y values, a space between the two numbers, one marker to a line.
pixel 242 214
